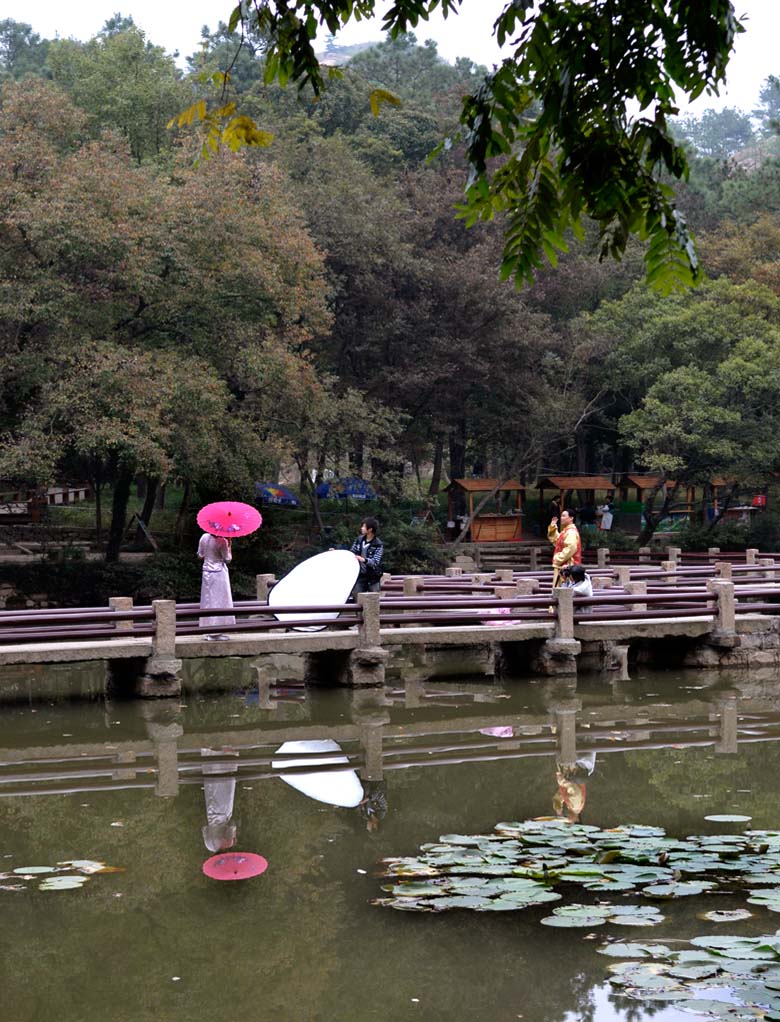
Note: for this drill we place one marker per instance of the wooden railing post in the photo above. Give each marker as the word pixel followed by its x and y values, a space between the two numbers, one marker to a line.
pixel 644 554
pixel 674 553
pixel 723 569
pixel 751 554
pixel 602 556
pixel 669 569
pixel 624 574
pixel 453 572
pixel 533 559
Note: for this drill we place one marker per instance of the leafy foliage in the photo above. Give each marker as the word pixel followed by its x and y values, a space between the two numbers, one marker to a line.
pixel 555 114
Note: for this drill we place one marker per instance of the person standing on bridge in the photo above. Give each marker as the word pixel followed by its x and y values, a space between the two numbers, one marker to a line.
pixel 369 550
pixel 567 545
pixel 215 552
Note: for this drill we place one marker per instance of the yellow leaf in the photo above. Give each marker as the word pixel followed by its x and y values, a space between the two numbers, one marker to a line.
pixel 379 96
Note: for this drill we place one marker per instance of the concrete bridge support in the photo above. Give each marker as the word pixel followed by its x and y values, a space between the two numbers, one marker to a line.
pixel 162 670
pixel 558 655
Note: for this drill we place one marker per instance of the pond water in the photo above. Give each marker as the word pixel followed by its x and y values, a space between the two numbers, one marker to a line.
pixel 124 783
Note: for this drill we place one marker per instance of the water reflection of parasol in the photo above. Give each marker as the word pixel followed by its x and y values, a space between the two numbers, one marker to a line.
pixel 235 866
pixel 229 518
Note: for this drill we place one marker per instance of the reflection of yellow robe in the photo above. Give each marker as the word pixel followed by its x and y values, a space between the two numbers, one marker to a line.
pixel 568 550
pixel 569 799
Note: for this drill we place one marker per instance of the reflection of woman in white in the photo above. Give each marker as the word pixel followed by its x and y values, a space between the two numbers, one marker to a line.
pixel 219 834
pixel 215 552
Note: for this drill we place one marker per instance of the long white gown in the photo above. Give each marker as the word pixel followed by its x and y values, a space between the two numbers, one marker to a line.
pixel 215 553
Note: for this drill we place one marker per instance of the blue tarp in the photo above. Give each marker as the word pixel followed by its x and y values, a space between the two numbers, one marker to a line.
pixel 273 493
pixel 351 488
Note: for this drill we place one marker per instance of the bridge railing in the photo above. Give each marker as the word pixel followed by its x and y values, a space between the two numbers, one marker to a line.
pixel 455 603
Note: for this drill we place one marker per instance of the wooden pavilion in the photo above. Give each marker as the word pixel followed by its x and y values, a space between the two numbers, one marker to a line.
pixel 642 483
pixel 586 486
pixel 494 526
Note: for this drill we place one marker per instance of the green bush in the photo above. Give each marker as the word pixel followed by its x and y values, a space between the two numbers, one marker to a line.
pixel 728 535
pixel 764 531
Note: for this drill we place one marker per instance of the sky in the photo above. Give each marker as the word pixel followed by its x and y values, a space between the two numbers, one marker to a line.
pixel 178 27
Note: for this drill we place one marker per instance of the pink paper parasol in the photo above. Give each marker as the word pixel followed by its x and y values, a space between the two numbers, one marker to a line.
pixel 235 866
pixel 229 518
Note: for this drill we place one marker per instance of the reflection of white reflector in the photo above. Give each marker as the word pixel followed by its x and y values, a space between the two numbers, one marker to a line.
pixel 323 579
pixel 336 787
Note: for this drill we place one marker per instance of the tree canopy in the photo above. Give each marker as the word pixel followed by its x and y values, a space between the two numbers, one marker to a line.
pixel 549 134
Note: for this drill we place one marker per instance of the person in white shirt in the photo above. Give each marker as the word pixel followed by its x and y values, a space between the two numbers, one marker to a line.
pixel 576 578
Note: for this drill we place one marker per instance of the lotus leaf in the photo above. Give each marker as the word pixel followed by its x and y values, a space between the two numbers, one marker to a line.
pixel 677 890
pixel 61 883
pixel 412 890
pixel 589 922
pixel 726 915
pixel 728 818
pixel 770 899
pixel 634 950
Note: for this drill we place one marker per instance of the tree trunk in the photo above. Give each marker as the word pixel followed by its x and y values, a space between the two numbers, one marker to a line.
pixel 118 515
pixel 356 457
pixel 458 464
pixel 148 508
pixel 652 520
pixel 96 478
pixel 438 461
pixel 725 504
pixel 178 528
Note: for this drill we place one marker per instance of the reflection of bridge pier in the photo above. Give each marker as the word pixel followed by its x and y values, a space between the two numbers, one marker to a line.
pixel 370 714
pixel 164 730
pixel 377 745
pixel 728 704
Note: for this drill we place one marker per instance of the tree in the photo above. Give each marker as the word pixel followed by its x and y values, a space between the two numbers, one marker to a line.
pixel 548 134
pixel 768 111
pixel 745 252
pixel 122 82
pixel 717 133
pixel 137 310
pixel 694 381
pixel 22 51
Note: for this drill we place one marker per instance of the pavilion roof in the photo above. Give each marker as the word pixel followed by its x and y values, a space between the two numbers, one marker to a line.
pixel 644 482
pixel 575 483
pixel 484 485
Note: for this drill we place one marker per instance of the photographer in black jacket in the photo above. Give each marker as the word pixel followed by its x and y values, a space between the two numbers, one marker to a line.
pixel 368 548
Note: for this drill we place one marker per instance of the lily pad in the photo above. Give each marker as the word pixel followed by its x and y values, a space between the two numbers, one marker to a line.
pixel 728 818
pixel 61 883
pixel 726 916
pixel 677 890
pixel 634 950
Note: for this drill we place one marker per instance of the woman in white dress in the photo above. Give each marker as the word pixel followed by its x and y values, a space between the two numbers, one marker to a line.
pixel 215 552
